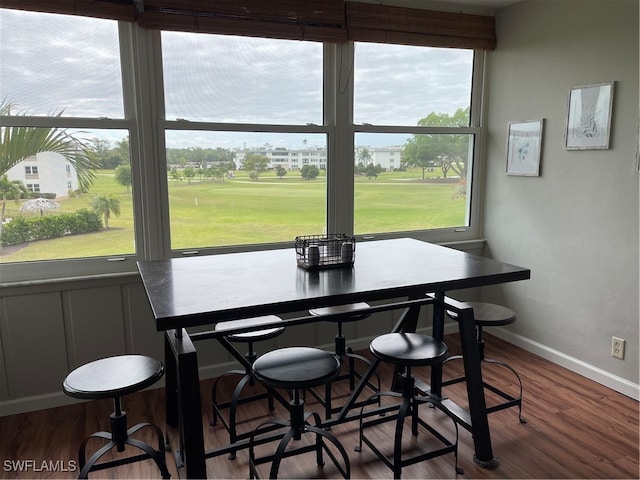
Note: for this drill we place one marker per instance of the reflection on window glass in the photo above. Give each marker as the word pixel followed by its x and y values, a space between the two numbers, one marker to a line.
pixel 60 64
pixel 412 182
pixel 400 85
pixel 222 78
pixel 417 181
pixel 234 188
pixel 66 193
pixel 71 199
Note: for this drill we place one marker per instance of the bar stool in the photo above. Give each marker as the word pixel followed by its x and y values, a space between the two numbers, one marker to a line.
pixel 491 315
pixel 114 377
pixel 295 369
pixel 246 375
pixel 406 350
pixel 351 312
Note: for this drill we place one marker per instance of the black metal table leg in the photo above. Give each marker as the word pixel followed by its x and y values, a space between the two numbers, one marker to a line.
pixel 438 334
pixel 475 391
pixel 184 356
pixel 171 382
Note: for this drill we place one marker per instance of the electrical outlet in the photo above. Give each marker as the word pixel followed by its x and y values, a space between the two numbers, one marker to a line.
pixel 617 347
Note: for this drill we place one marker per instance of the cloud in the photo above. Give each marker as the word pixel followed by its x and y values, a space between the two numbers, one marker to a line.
pixel 244 80
pixel 53 62
pixel 399 85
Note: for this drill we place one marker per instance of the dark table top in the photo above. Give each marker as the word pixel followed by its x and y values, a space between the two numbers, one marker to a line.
pixel 203 290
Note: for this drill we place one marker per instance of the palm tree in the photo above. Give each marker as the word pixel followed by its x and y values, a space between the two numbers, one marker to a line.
pixel 9 189
pixel 105 205
pixel 18 143
pixel 364 155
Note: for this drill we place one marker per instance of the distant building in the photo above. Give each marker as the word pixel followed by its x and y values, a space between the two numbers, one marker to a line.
pixel 287 159
pixel 46 172
pixel 390 158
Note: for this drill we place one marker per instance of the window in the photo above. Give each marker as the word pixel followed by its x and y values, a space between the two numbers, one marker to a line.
pixel 221 143
pixel 412 104
pixel 61 84
pixel 257 103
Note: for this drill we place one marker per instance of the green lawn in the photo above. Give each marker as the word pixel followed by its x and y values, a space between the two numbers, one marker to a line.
pixel 240 211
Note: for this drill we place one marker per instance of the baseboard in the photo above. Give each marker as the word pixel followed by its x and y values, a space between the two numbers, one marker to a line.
pixel 596 374
pixel 36 402
pixel 49 400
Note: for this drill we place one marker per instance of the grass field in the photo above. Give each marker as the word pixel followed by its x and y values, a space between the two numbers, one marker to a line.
pixel 242 211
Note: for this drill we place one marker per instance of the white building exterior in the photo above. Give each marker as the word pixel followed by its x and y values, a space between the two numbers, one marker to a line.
pixel 287 159
pixel 47 172
pixel 389 158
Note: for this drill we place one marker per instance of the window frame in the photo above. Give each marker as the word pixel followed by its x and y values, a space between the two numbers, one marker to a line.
pixel 141 64
pixel 342 204
pixel 48 270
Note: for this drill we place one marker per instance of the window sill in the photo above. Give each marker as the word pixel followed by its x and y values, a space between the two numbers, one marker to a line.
pixel 101 279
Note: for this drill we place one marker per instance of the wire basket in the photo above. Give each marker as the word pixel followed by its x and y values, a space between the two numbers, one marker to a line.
pixel 316 252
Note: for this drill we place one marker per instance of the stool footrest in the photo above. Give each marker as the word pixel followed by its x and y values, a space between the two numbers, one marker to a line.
pixel 408 408
pixel 510 400
pixel 292 434
pixel 91 465
pixel 231 424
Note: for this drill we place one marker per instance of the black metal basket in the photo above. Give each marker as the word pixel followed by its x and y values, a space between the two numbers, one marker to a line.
pixel 316 252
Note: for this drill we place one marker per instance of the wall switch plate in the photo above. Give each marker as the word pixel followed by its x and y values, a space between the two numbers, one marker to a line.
pixel 617 347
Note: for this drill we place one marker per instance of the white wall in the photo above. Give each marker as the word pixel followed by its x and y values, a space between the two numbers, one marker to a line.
pixel 576 226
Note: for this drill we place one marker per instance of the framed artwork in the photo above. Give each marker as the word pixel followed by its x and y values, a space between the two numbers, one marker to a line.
pixel 589 117
pixel 524 146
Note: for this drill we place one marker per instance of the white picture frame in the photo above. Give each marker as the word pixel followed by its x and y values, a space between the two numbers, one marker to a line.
pixel 524 148
pixel 589 117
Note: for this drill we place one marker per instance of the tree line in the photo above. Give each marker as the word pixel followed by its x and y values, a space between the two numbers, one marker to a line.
pixel 447 151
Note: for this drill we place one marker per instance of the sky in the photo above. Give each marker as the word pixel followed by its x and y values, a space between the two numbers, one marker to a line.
pixel 53 63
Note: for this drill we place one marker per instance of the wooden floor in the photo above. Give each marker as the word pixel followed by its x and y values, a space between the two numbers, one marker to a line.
pixel 576 429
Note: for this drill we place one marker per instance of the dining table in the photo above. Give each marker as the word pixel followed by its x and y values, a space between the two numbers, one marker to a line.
pixel 402 274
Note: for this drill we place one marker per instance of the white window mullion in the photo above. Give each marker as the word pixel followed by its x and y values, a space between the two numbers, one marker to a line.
pixel 339 115
pixel 475 174
pixel 149 168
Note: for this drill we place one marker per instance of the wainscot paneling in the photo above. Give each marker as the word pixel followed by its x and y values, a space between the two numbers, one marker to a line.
pixel 33 342
pixel 95 324
pixel 140 333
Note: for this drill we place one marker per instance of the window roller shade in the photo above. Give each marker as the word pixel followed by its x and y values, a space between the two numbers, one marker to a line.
pixel 412 26
pixel 316 20
pixel 109 9
pixel 320 20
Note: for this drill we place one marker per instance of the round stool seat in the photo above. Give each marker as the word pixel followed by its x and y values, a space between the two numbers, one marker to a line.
pixel 112 377
pixel 265 334
pixel 296 367
pixel 409 349
pixel 350 311
pixel 489 314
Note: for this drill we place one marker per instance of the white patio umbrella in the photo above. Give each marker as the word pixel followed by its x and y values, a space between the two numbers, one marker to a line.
pixel 39 205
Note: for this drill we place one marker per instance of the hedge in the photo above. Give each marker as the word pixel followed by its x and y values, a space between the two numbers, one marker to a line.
pixel 29 229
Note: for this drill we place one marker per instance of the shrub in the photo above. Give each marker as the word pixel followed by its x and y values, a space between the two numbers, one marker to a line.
pixel 23 229
pixel 47 195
